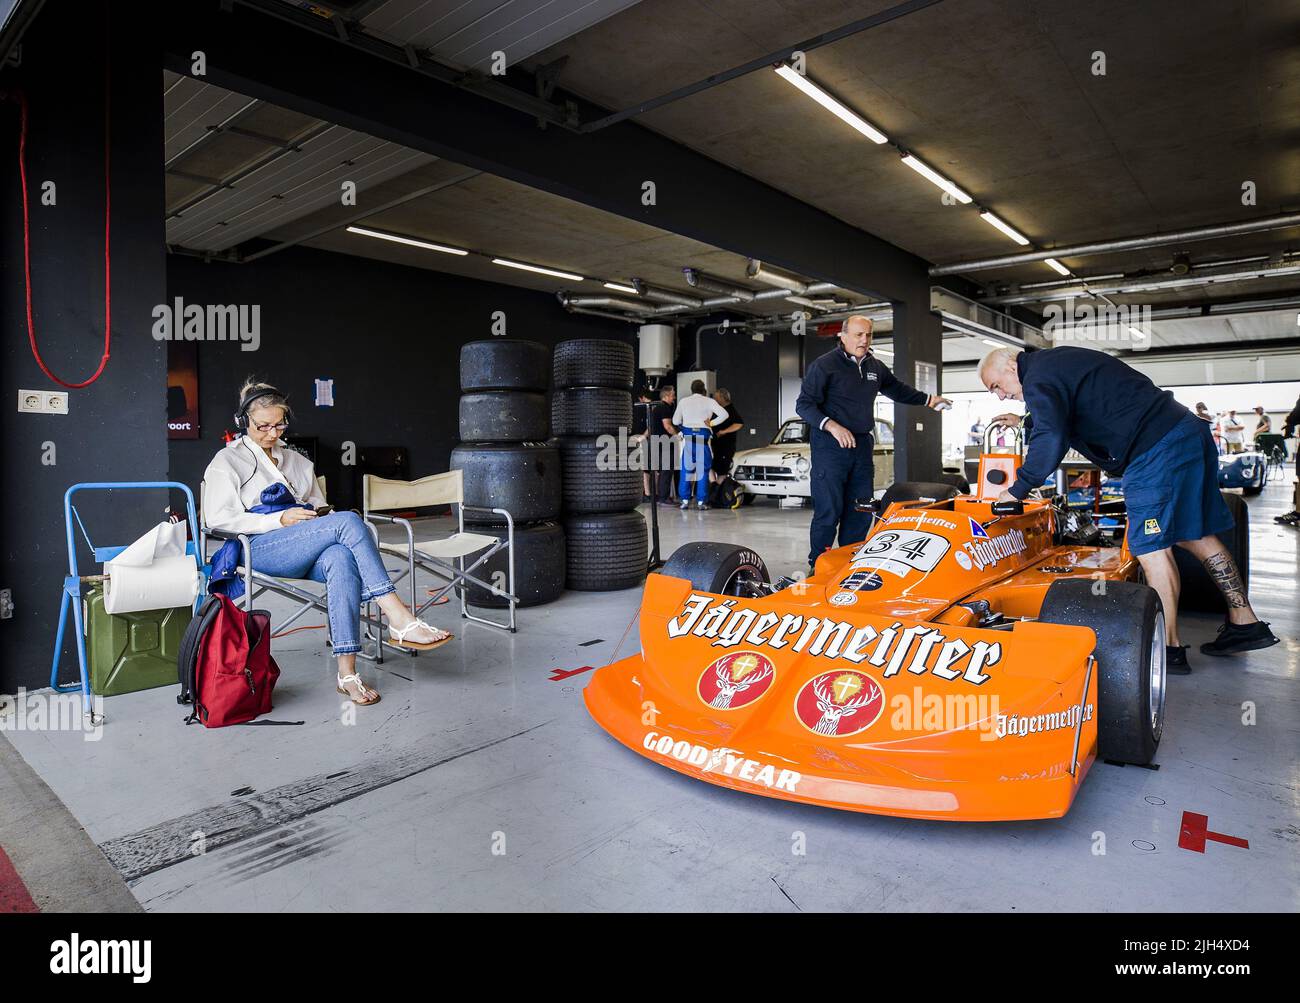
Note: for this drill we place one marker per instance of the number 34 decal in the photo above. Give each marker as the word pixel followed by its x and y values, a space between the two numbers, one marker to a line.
pixel 901 551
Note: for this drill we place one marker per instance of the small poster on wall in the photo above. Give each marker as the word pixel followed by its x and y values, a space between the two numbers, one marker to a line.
pixel 182 390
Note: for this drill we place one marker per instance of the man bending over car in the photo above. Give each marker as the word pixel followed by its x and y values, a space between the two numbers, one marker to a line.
pixel 1120 420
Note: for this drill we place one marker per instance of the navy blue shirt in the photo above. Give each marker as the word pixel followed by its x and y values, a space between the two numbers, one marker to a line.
pixel 1092 402
pixel 838 387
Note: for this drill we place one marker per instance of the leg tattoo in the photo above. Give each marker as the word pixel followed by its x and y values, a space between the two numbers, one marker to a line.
pixel 1223 571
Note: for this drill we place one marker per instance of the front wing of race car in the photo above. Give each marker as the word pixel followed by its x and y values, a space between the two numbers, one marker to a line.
pixel 856 711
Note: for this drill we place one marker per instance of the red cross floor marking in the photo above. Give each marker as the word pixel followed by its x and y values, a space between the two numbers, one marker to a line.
pixel 558 674
pixel 1195 830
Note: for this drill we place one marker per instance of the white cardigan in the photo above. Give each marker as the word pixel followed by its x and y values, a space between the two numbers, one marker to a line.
pixel 237 476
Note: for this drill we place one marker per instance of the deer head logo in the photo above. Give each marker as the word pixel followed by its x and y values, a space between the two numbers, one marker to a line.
pixel 839 703
pixel 735 680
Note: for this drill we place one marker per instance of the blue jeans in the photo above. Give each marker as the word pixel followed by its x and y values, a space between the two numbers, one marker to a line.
pixel 336 549
pixel 839 478
pixel 696 461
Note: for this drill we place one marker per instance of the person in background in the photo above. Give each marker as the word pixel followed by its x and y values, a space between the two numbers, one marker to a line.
pixel 725 436
pixel 696 416
pixel 640 424
pixel 292 539
pixel 662 437
pixel 1289 424
pixel 1116 417
pixel 838 400
pixel 1203 413
pixel 1233 431
pixel 1263 424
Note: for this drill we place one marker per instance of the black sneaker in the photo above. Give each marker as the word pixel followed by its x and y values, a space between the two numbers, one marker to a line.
pixel 1290 519
pixel 1235 638
pixel 685 504
pixel 1176 660
pixel 704 506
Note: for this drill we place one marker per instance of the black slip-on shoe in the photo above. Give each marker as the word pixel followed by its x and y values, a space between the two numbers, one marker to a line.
pixel 1290 519
pixel 1236 638
pixel 1176 660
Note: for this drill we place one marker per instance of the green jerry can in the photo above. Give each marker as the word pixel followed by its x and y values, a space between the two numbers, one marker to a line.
pixel 131 651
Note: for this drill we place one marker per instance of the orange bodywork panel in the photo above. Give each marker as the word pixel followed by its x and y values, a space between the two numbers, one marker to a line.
pixel 868 687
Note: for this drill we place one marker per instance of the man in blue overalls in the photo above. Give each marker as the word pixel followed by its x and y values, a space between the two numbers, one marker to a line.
pixel 696 416
pixel 838 400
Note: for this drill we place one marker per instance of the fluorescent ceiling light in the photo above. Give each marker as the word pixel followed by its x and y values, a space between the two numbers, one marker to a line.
pixel 538 269
pixel 407 240
pixel 846 115
pixel 1136 332
pixel 1002 225
pixel 935 178
pixel 619 287
pixel 995 344
pixel 1060 268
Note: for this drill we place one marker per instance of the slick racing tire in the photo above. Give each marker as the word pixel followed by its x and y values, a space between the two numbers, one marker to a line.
pixel 1198 593
pixel 539 566
pixel 594 362
pixel 720 568
pixel 503 416
pixel 504 364
pixel 1130 661
pixel 917 491
pixel 522 478
pixel 956 480
pixel 607 551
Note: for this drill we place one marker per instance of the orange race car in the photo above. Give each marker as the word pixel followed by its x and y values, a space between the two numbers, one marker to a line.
pixel 969 660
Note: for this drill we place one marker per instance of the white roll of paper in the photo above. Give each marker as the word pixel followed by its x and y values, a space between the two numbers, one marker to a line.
pixel 162 584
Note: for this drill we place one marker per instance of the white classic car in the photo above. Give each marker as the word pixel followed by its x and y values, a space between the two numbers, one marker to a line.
pixel 782 468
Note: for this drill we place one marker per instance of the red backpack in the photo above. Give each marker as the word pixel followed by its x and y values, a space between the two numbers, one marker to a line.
pixel 224 664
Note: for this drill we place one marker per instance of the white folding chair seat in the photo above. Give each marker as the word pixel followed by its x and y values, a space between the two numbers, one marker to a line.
pixel 436 555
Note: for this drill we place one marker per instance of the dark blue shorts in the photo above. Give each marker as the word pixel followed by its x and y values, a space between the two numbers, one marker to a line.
pixel 1172 490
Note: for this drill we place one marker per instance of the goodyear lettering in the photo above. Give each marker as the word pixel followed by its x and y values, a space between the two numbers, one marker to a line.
pixel 729 762
pixel 918 648
pixel 989 551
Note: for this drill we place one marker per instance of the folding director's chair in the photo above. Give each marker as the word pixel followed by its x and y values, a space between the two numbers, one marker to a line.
pixel 256 583
pixel 380 494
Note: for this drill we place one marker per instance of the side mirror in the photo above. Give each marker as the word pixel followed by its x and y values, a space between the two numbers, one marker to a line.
pixel 1009 508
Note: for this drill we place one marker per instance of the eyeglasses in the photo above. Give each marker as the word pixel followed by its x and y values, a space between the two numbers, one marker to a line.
pixel 279 427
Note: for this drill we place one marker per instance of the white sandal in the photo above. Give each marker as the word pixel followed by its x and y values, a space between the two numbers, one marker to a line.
pixel 344 681
pixel 397 636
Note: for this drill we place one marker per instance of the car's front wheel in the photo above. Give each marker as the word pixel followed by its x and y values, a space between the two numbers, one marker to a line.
pixel 1130 626
pixel 720 568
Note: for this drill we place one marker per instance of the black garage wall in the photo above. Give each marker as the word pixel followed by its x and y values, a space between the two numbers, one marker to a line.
pixel 748 368
pixel 115 428
pixel 388 335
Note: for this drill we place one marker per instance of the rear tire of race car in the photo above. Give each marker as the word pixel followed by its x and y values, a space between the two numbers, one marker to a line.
pixel 606 552
pixel 1130 653
pixel 956 480
pixel 916 491
pixel 720 568
pixel 1198 593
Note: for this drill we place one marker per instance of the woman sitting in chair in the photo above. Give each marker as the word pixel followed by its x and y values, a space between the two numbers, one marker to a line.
pixel 258 487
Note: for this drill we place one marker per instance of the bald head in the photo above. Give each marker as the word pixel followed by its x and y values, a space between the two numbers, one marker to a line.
pixel 855 335
pixel 1000 374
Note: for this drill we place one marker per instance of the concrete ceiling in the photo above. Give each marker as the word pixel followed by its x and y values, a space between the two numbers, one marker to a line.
pixel 1000 96
pixel 1198 97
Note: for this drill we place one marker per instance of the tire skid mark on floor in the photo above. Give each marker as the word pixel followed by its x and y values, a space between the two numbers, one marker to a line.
pixel 171 842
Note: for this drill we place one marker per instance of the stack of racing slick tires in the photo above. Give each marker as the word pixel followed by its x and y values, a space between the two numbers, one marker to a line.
pixel 507 462
pixel 591 415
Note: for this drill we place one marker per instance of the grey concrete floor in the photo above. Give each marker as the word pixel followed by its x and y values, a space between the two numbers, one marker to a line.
pixel 480 784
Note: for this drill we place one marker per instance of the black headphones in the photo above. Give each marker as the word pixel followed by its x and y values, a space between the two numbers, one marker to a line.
pixel 241 415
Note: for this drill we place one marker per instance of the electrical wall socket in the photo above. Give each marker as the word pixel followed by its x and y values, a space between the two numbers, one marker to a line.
pixel 43 401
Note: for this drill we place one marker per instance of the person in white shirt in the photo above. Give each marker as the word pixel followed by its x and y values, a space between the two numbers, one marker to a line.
pixel 695 416
pixel 304 542
pixel 1233 431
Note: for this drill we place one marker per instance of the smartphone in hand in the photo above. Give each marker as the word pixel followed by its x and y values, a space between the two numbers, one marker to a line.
pixel 324 510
